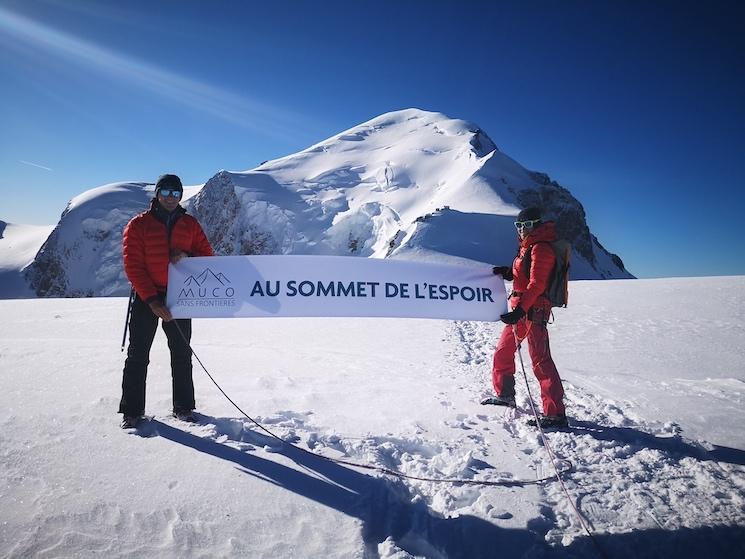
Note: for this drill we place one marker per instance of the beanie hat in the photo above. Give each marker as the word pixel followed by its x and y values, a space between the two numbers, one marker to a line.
pixel 529 214
pixel 170 182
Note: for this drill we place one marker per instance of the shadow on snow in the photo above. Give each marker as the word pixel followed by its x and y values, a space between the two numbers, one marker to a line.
pixel 386 510
pixel 675 446
pixel 384 507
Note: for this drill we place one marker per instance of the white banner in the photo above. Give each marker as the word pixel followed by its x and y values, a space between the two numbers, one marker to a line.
pixel 258 286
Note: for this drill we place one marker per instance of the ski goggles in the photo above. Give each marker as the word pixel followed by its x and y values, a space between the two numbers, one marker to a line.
pixel 527 224
pixel 166 192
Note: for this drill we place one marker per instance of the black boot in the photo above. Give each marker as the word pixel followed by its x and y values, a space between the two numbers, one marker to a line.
pixel 550 421
pixel 508 401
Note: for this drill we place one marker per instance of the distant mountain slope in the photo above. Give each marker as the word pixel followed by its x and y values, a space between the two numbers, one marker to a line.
pixel 18 246
pixel 407 184
pixel 83 255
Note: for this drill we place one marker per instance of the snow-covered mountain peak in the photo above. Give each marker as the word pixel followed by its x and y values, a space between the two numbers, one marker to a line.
pixel 407 184
pixel 398 150
pixel 355 191
pixel 410 128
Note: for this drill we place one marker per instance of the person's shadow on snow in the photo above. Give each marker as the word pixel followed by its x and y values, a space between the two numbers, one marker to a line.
pixel 385 507
pixel 675 446
pixel 386 510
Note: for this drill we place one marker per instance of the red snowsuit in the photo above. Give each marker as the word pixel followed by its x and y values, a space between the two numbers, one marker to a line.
pixel 528 293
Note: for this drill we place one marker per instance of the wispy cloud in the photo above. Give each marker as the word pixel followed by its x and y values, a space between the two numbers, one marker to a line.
pixel 35 165
pixel 236 109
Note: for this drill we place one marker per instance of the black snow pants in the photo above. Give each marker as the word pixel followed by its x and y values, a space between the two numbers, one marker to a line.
pixel 142 327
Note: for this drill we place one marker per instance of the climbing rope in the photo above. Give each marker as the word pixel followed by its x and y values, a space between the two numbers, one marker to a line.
pixel 549 450
pixel 382 469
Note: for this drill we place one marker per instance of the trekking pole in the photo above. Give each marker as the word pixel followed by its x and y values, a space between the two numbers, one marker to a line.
pixel 129 311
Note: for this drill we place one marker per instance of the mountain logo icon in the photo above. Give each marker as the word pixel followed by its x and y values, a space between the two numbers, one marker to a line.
pixel 206 276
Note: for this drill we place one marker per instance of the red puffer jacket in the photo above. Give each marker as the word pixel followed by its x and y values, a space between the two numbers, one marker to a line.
pixel 147 245
pixel 528 291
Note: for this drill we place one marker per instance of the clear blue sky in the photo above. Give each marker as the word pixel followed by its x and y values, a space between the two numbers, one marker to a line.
pixel 637 107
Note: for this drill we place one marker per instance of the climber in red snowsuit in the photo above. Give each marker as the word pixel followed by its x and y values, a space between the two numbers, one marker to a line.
pixel 529 315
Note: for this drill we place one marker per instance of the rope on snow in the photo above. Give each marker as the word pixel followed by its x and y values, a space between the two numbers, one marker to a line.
pixel 500 482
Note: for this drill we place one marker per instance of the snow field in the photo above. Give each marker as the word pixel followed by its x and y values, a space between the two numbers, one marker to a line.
pixel 656 470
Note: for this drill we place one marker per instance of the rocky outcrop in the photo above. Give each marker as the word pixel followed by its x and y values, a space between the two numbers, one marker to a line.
pixel 46 274
pixel 217 208
pixel 566 211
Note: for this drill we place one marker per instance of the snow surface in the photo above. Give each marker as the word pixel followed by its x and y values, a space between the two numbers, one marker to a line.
pixel 655 382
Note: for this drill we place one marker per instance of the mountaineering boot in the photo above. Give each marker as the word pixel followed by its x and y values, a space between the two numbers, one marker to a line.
pixel 130 421
pixel 550 421
pixel 508 401
pixel 185 415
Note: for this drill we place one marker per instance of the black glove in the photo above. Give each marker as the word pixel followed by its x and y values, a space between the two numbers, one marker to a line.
pixel 513 317
pixel 504 271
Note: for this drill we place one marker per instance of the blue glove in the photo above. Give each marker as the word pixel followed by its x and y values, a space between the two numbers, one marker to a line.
pixel 513 317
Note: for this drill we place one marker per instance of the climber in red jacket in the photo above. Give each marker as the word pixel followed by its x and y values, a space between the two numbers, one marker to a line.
pixel 528 318
pixel 165 233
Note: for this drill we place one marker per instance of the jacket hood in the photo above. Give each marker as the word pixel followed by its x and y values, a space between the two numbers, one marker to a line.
pixel 544 232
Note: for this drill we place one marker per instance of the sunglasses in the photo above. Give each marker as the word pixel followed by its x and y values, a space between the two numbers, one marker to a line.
pixel 527 224
pixel 166 192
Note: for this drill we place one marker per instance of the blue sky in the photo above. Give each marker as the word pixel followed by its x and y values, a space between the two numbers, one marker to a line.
pixel 637 107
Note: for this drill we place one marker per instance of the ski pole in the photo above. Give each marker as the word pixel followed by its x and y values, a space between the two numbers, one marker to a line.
pixel 129 311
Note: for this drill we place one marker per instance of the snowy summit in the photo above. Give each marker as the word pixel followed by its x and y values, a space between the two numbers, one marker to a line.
pixel 408 184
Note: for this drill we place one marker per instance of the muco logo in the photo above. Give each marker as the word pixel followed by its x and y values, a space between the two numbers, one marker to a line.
pixel 206 288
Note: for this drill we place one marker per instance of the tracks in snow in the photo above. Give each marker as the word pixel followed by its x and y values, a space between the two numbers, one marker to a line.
pixel 629 474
